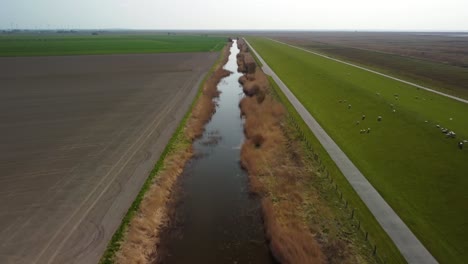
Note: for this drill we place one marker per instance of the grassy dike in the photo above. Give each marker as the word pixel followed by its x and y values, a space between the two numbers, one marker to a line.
pixel 180 142
pixel 416 168
pixel 335 189
pixel 307 218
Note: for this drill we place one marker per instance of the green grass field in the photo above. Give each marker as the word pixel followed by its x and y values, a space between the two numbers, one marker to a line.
pixel 421 173
pixel 386 249
pixel 47 45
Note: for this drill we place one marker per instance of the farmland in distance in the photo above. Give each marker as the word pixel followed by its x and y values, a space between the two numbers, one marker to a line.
pixel 81 44
pixel 439 61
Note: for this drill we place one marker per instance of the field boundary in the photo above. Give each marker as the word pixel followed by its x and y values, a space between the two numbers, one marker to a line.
pixel 376 72
pixel 408 244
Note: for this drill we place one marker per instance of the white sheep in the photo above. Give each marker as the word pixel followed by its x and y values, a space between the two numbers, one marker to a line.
pixel 451 134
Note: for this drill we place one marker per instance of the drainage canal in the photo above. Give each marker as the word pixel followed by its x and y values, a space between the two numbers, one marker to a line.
pixel 215 219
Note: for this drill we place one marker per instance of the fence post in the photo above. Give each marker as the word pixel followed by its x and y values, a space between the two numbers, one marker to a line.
pixel 375 250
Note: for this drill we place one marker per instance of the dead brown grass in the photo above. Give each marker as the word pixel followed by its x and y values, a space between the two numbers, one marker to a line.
pixel 140 244
pixel 280 174
pixel 205 106
pixel 290 240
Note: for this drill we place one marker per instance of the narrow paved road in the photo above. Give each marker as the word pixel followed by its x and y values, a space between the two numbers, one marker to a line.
pixel 408 244
pixel 376 72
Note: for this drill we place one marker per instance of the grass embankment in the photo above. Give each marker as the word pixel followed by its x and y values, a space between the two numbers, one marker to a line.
pixel 305 219
pixel 136 239
pixel 418 170
pixel 438 76
pixel 48 45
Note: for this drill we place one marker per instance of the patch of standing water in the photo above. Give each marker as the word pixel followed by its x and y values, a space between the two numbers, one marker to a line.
pixel 216 220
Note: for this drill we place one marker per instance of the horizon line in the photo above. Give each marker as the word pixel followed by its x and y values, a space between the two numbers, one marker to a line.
pixel 248 30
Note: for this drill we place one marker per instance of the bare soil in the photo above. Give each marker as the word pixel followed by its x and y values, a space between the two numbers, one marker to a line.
pixel 78 137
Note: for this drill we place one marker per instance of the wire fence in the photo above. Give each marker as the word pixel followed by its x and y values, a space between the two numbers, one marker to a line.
pixel 346 205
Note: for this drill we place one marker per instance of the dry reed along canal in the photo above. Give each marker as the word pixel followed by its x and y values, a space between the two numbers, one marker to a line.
pixel 216 220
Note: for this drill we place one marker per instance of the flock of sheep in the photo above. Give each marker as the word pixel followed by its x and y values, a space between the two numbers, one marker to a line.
pixel 447 132
pixel 450 134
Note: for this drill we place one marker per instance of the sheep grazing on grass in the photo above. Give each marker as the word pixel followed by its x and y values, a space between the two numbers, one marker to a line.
pixel 357 123
pixel 349 106
pixel 368 130
pixel 438 126
pixel 465 141
pixel 394 111
pixel 379 118
pixel 425 121
pixel 450 119
pixel 363 117
pixel 451 134
pixel 460 145
pixel 362 131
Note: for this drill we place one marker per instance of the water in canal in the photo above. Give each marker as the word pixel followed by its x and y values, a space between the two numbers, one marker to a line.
pixel 216 220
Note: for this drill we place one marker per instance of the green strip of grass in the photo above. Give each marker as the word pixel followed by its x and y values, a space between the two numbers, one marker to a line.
pixel 178 141
pixel 386 250
pixel 259 63
pixel 52 45
pixel 417 170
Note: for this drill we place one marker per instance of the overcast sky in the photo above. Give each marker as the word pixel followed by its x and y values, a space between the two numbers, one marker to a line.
pixel 237 14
